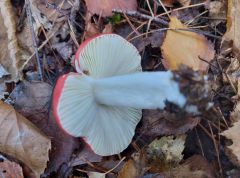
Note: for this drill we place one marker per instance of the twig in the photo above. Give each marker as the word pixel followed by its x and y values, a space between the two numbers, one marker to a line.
pixel 137 14
pixel 183 29
pixel 29 17
pixel 182 8
pixel 216 148
pixel 164 8
pixel 199 141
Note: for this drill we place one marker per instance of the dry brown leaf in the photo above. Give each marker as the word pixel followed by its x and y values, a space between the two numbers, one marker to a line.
pixel 233 151
pixel 51 9
pixel 10 54
pixel 217 11
pixel 135 167
pixel 33 100
pixel 85 156
pixel 20 139
pixel 170 3
pixel 129 170
pixel 96 175
pixel 91 30
pixel 185 47
pixel 194 167
pixel 235 114
pixel 105 7
pixel 231 37
pixel 10 169
pixel 157 123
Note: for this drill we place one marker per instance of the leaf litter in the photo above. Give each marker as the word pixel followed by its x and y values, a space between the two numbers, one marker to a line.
pixel 166 38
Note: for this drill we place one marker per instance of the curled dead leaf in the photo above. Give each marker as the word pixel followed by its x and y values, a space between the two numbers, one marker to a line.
pixel 231 37
pixel 185 47
pixel 20 139
pixel 170 3
pixel 134 167
pixel 32 100
pixel 157 123
pixel 11 56
pixel 105 7
pixel 233 151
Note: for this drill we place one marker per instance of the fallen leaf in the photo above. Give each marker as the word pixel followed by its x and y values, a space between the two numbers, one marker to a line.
pixel 9 169
pixel 157 123
pixel 33 100
pixel 86 155
pixel 20 139
pixel 96 175
pixel 185 47
pixel 105 7
pixel 3 72
pixel 235 114
pixel 167 148
pixel 232 73
pixel 129 170
pixel 194 167
pixel 134 167
pixel 52 10
pixel 170 3
pixel 2 90
pixel 11 57
pixel 217 11
pixel 231 37
pixel 91 30
pixel 233 151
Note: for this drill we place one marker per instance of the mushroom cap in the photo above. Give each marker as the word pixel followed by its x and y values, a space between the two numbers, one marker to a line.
pixel 107 55
pixel 107 129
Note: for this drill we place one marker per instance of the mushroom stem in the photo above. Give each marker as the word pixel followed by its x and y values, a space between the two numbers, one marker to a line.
pixel 145 90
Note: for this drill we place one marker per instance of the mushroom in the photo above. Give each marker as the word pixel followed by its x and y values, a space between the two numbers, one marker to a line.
pixel 103 102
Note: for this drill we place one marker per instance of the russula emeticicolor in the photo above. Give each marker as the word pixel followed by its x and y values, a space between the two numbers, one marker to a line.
pixel 103 102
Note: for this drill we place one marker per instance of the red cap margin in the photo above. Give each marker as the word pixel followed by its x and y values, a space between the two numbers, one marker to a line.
pixel 76 59
pixel 56 98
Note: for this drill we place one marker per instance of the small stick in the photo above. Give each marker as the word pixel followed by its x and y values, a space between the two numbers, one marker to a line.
pixel 199 141
pixel 137 14
pixel 216 148
pixel 29 17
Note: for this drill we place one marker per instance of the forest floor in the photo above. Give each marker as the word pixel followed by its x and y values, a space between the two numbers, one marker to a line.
pixel 38 42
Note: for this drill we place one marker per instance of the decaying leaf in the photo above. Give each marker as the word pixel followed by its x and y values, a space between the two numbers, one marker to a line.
pixel 11 57
pixel 20 139
pixel 231 37
pixel 3 72
pixel 232 72
pixel 9 169
pixel 194 167
pixel 168 149
pixel 50 9
pixel 235 114
pixel 33 100
pixel 233 151
pixel 158 123
pixel 105 7
pixel 96 175
pixel 2 90
pixel 170 3
pixel 217 11
pixel 185 47
pixel 86 155
pixel 135 167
